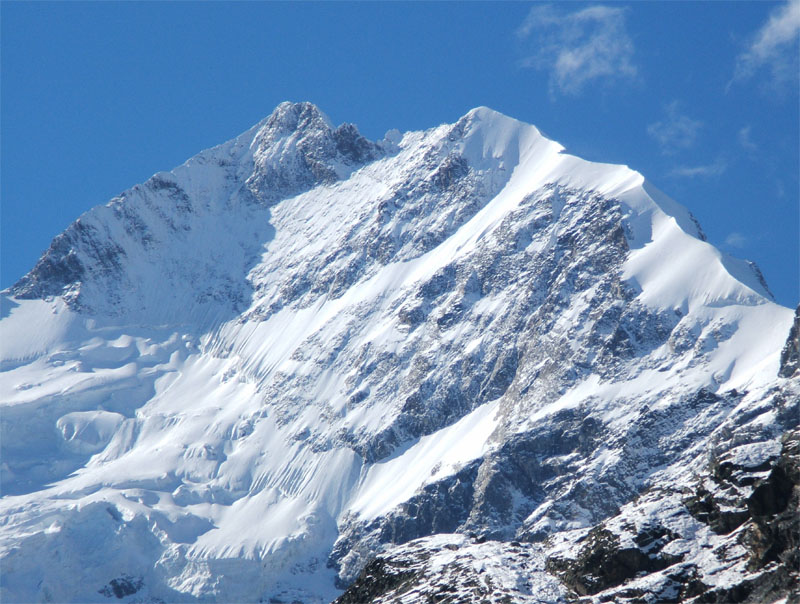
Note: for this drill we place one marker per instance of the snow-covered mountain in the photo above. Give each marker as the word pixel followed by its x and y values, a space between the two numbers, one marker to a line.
pixel 458 363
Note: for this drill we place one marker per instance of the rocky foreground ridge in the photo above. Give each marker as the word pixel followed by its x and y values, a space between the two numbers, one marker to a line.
pixel 453 365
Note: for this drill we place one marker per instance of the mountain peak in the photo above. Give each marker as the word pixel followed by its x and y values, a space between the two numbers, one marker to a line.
pixel 298 148
pixel 289 117
pixel 482 112
pixel 492 119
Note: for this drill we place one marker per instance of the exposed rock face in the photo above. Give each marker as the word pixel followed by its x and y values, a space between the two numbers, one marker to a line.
pixel 113 259
pixel 297 148
pixel 749 500
pixel 790 355
pixel 305 362
pixel 60 269
pixel 602 562
pixel 643 554
pixel 122 587
pixel 453 568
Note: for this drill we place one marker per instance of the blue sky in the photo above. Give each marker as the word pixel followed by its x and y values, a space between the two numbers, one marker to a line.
pixel 702 98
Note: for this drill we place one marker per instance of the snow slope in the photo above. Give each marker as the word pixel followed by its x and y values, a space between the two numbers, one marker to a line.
pixel 231 382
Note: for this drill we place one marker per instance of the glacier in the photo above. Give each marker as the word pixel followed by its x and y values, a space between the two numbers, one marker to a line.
pixel 303 358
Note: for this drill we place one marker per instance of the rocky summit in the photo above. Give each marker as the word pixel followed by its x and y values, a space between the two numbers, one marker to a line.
pixel 455 365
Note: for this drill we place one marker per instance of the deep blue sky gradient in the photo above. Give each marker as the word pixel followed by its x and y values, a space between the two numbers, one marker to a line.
pixel 96 97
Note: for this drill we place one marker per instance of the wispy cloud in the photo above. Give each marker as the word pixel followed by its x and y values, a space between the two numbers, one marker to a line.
pixel 746 140
pixel 715 169
pixel 774 47
pixel 736 240
pixel 676 131
pixel 576 48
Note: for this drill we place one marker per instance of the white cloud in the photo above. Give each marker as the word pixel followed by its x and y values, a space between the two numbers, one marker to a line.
pixel 715 169
pixel 736 240
pixel 676 131
pixel 746 141
pixel 576 48
pixel 774 47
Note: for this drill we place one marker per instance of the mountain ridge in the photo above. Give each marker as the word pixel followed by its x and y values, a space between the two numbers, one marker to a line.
pixel 281 130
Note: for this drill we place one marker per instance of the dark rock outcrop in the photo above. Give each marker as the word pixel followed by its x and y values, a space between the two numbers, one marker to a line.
pixel 790 355
pixel 752 507
pixel 122 587
pixel 603 562
pixel 378 577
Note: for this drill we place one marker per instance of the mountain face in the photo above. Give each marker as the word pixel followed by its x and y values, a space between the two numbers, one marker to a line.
pixel 457 363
